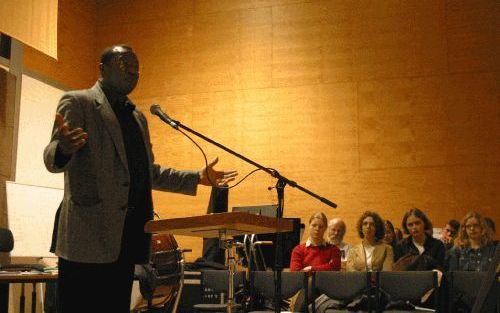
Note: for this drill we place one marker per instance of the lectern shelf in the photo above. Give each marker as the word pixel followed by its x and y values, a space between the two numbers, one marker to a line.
pixel 210 225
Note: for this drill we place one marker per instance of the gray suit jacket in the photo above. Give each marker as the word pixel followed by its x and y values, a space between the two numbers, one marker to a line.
pixel 96 179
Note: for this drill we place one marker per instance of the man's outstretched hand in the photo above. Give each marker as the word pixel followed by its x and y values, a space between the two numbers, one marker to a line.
pixel 219 178
pixel 70 140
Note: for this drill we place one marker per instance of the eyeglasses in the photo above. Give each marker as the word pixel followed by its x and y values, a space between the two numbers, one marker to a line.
pixel 471 226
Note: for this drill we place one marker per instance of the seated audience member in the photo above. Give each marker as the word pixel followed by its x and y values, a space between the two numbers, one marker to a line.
pixel 390 235
pixel 418 251
pixel 493 232
pixel 372 254
pixel 399 234
pixel 315 254
pixel 336 232
pixel 474 249
pixel 450 232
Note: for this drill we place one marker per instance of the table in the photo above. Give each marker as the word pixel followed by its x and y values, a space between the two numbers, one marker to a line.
pixel 27 277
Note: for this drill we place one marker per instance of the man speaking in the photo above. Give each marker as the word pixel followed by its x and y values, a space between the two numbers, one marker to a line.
pixel 101 142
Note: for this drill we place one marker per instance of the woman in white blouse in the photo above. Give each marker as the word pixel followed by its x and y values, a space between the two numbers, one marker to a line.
pixel 372 254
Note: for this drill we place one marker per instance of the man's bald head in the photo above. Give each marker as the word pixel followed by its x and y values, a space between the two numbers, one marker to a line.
pixel 119 69
pixel 336 230
pixel 109 52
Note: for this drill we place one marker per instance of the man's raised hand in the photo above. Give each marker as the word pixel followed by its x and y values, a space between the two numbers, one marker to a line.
pixel 70 140
pixel 218 178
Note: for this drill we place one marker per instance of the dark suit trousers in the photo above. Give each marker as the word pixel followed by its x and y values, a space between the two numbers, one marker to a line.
pixel 91 287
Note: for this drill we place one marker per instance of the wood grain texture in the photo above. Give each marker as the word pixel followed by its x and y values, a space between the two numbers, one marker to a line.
pixel 78 55
pixel 32 22
pixel 7 98
pixel 220 225
pixel 472 35
pixel 355 100
pixel 381 105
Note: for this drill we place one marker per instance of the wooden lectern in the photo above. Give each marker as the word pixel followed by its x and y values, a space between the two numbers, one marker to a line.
pixel 222 226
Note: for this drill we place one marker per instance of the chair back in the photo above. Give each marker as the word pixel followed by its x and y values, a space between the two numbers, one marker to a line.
pixel 341 285
pixel 464 287
pixel 408 285
pixel 291 283
pixel 218 280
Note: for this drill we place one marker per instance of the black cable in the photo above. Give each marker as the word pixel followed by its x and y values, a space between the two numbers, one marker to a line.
pixel 206 166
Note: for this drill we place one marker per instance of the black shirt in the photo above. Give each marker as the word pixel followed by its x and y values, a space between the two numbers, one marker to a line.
pixel 433 250
pixel 135 243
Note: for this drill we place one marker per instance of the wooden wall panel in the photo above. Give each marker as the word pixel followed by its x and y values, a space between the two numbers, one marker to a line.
pixel 297 44
pixel 425 24
pixel 78 59
pixel 256 48
pixel 7 99
pixel 472 35
pixel 476 188
pixel 398 39
pixel 120 12
pixel 358 101
pixel 380 105
pixel 212 6
pixel 401 123
pixel 337 41
pixel 7 93
pixel 216 52
pixel 440 120
pixel 473 115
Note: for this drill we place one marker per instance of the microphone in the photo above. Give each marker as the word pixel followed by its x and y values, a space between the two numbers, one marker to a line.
pixel 156 110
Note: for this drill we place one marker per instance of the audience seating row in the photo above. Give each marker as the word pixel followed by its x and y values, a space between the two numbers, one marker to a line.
pixel 348 291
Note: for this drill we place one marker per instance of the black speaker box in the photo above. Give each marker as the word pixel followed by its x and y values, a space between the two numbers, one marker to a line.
pixel 192 293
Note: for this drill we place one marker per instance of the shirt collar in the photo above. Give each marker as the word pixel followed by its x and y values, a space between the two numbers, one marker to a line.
pixel 309 243
pixel 116 101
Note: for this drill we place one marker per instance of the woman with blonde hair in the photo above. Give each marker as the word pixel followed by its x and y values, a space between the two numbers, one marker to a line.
pixel 316 254
pixel 474 249
pixel 372 254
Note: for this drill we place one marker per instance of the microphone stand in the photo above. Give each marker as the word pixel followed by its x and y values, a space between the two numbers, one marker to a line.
pixel 280 188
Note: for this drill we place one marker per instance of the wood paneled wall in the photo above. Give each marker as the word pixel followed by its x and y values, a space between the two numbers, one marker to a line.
pixel 7 96
pixel 381 105
pixel 76 66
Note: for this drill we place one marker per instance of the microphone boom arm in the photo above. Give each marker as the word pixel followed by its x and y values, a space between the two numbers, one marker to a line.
pixel 280 187
pixel 177 124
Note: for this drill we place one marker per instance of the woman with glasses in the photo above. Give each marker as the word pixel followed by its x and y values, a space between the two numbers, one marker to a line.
pixel 474 250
